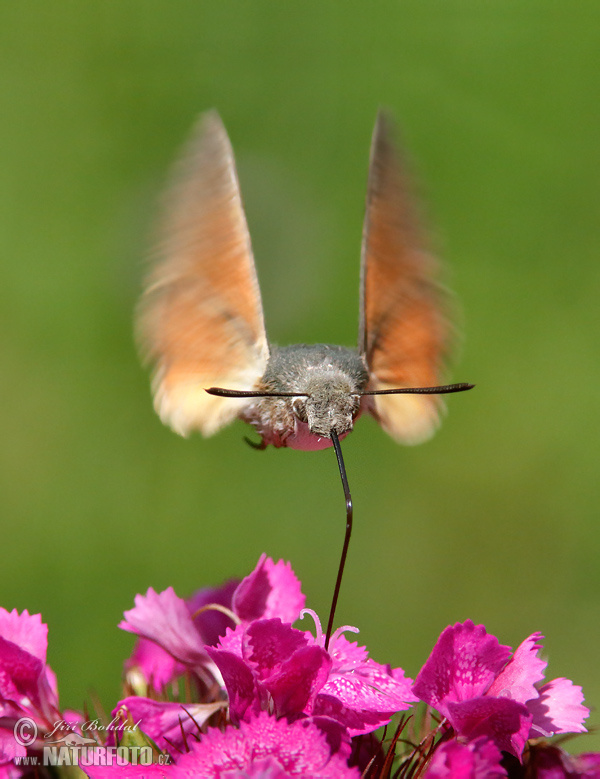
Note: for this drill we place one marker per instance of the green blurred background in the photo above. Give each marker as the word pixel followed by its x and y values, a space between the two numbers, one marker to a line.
pixel 495 519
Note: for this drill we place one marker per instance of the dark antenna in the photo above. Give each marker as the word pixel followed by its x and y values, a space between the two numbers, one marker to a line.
pixel 443 390
pixel 338 581
pixel 229 393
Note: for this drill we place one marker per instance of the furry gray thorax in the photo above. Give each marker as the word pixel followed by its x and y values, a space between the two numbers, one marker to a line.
pixel 330 376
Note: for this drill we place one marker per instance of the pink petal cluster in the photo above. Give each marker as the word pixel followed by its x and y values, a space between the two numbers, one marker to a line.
pixel 264 748
pixel 479 759
pixel 174 632
pixel 176 637
pixel 550 762
pixel 268 664
pixel 27 684
pixel 484 689
pixel 232 689
pixel 270 748
pixel 264 664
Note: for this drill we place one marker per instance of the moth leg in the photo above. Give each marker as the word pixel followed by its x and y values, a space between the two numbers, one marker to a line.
pixel 262 445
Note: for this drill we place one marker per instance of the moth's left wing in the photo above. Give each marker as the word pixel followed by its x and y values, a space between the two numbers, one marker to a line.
pixel 200 319
pixel 404 330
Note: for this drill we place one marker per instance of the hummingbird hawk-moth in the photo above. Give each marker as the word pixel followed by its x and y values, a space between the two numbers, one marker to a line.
pixel 201 318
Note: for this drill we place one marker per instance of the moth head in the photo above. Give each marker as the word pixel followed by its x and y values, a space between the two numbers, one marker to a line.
pixel 330 403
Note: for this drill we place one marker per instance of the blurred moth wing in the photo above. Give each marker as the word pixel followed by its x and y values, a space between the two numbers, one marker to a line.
pixel 403 329
pixel 200 321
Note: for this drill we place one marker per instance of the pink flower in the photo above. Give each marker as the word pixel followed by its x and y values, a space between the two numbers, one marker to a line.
pixel 557 709
pixel 479 759
pixel 270 665
pixel 549 762
pixel 271 590
pixel 152 667
pixel 264 747
pixel 165 619
pixel 173 635
pixel 25 680
pixel 474 682
pixel 268 748
pixel 27 685
pixel 170 725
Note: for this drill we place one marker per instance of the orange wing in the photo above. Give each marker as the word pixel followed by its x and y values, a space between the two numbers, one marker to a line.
pixel 200 319
pixel 403 329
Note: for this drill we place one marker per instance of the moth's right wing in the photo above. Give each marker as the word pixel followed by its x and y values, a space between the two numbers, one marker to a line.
pixel 404 330
pixel 200 319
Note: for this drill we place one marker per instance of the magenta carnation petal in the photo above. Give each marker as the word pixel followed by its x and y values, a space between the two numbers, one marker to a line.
pixel 268 643
pixel 505 722
pixel 356 721
pixel 239 683
pixel 588 764
pixel 165 618
pixel 49 685
pixel 152 771
pixel 396 687
pixel 478 760
pixel 369 689
pixel 400 676
pixel 25 679
pixel 232 640
pixel 26 631
pixel 297 681
pixel 547 761
pixel 462 665
pixel 268 748
pixel 9 748
pixel 212 623
pixel 157 667
pixel 271 590
pixel 166 722
pixel 20 675
pixel 523 670
pixel 558 709
pixel 347 653
pixel 360 693
pixel 336 734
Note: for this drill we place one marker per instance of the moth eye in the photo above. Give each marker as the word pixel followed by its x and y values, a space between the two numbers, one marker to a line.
pixel 356 405
pixel 299 410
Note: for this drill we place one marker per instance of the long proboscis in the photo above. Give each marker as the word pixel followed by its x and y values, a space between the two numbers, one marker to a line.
pixel 439 390
pixel 349 511
pixel 444 389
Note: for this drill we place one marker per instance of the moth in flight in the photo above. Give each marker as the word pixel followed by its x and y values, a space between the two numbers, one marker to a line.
pixel 202 328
